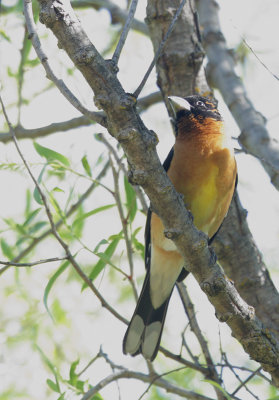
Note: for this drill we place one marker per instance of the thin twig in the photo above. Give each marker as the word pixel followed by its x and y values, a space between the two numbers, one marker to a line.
pixel 190 311
pixel 32 264
pixel 243 384
pixel 125 31
pixel 123 220
pixel 159 51
pixel 181 360
pixel 258 58
pixel 137 188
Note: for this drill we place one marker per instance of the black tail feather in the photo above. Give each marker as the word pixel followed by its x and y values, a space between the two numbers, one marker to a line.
pixel 144 332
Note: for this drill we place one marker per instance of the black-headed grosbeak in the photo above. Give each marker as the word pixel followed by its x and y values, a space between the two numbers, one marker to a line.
pixel 202 167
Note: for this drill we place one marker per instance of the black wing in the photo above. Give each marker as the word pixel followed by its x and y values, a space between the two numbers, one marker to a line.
pixel 147 256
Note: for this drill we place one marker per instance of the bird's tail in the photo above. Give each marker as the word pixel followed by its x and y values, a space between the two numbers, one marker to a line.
pixel 144 332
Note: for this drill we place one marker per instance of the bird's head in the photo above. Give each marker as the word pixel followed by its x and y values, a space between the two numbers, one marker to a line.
pixel 194 113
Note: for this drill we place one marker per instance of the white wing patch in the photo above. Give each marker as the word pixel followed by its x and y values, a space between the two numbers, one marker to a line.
pixel 133 339
pixel 151 337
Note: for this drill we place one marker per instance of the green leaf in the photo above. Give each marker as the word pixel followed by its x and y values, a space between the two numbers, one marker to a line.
pixel 86 166
pixel 37 226
pixel 51 155
pixel 95 211
pixel 131 200
pixel 97 396
pixel 36 193
pixel 31 216
pixel 73 375
pixel 4 35
pixel 28 203
pixel 53 385
pixel 47 362
pixel 215 384
pixel 57 189
pixel 51 282
pixel 104 258
pixel 7 249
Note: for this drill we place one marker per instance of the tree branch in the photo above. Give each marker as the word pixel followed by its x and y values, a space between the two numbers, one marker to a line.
pixel 254 136
pixel 139 145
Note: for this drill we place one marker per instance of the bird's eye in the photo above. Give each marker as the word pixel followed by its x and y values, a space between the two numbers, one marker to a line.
pixel 200 103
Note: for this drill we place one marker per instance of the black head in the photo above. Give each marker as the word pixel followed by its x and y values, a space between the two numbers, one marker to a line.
pixel 198 106
pixel 193 113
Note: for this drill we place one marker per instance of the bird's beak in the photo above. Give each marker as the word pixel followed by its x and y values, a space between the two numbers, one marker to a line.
pixel 178 103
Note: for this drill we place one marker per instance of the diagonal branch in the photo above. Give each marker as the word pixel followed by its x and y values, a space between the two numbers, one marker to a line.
pixel 139 144
pixel 125 31
pixel 254 136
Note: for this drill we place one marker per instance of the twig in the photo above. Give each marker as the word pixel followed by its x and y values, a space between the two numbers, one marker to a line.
pixel 125 31
pixel 243 384
pixel 258 58
pixel 159 50
pixel 54 231
pixel 32 264
pixel 60 84
pixel 181 360
pixel 124 227
pixel 190 311
pixel 137 188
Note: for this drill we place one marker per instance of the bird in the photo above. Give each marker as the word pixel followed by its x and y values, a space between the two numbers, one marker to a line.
pixel 202 167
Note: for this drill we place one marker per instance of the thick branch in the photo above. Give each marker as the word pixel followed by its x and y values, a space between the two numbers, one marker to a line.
pixel 221 72
pixel 139 145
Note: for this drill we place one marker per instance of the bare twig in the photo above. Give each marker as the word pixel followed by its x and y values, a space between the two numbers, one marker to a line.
pixel 123 220
pixel 258 58
pixel 190 311
pixel 32 264
pixel 243 384
pixel 125 31
pixel 159 50
pixel 137 188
